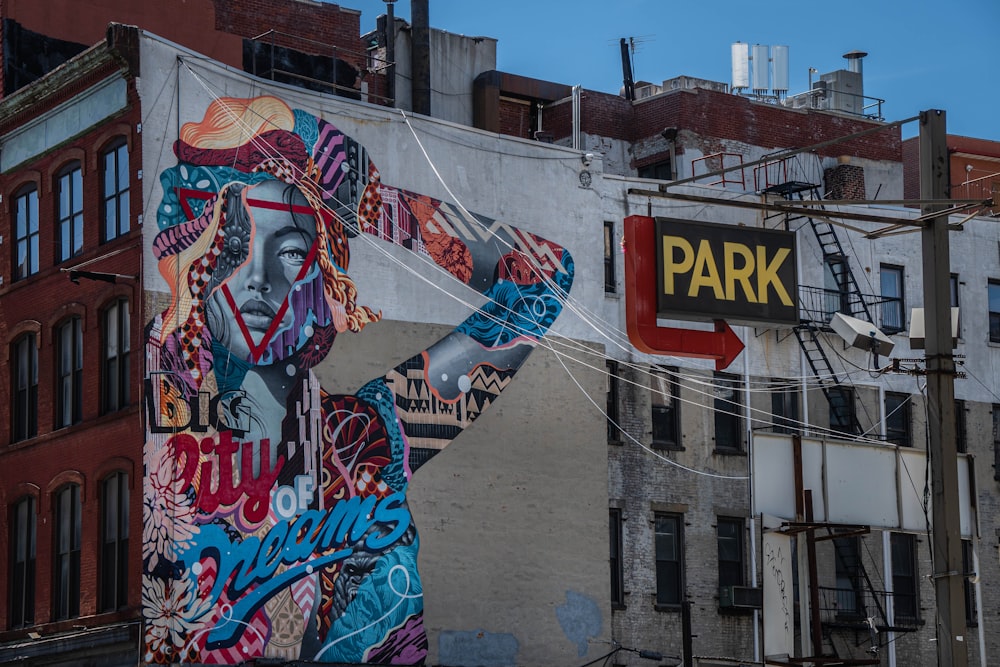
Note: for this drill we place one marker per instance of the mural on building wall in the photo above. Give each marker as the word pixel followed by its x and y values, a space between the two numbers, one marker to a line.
pixel 275 513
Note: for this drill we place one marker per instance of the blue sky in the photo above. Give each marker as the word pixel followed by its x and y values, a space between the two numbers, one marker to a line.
pixel 923 54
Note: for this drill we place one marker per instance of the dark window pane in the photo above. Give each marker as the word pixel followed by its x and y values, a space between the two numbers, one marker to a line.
pixel 893 307
pixel 114 542
pixel 26 234
pixel 969 570
pixel 615 557
pixel 614 433
pixel 728 406
pixel 730 542
pixel 21 581
pixel 904 576
pixel 665 408
pixel 784 407
pixel 67 553
pixel 115 192
pixel 842 415
pixel 610 285
pixel 961 442
pixel 70 213
pixel 994 300
pixel 669 559
pixel 116 371
pixel 897 419
pixel 24 421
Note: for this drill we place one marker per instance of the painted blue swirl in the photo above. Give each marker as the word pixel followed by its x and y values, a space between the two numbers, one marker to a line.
pixel 514 311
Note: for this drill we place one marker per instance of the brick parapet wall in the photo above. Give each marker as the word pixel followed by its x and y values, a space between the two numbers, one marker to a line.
pixel 723 116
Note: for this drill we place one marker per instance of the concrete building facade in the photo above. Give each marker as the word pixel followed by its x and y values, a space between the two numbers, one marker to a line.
pixel 604 505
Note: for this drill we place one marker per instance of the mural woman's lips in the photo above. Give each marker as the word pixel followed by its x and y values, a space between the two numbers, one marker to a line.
pixel 257 314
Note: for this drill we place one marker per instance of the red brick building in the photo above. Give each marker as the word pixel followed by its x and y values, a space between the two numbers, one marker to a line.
pixel 974 166
pixel 70 454
pixel 71 365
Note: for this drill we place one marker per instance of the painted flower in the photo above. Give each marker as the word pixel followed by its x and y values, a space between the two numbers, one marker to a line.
pixel 168 512
pixel 171 608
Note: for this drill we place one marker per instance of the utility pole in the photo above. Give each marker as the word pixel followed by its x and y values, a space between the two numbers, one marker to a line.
pixel 947 538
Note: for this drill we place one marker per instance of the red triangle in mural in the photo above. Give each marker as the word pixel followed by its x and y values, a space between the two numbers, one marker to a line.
pixel 185 195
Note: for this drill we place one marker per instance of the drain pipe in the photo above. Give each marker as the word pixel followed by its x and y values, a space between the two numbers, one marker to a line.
pixel 576 118
pixel 753 509
pixel 390 51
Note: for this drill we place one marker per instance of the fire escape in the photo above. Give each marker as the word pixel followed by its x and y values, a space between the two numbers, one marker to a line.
pixel 818 305
pixel 855 614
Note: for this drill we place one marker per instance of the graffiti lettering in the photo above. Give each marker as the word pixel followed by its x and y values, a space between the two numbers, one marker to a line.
pixel 169 412
pixel 303 544
pixel 289 501
pixel 227 493
pixel 774 559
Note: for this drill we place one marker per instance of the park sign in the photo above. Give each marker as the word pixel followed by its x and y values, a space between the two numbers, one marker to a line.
pixel 732 272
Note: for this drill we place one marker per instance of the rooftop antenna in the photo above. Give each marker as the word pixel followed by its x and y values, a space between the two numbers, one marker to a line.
pixel 629 45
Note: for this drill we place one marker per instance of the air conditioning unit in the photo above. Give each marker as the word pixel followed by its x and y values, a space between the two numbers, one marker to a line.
pixel 740 597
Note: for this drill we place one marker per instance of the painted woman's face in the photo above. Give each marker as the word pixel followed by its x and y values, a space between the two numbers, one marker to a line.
pixel 253 305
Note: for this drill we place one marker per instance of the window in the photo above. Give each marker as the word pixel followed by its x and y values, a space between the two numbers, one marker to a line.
pixel 69 212
pixel 666 418
pixel 954 299
pixel 961 439
pixel 784 407
pixel 893 305
pixel 69 364
pixel 116 356
pixel 115 192
pixel 114 542
pixel 842 415
pixel 897 419
pixel 994 299
pixel 728 410
pixel 996 441
pixel 669 559
pixel 26 233
pixel 614 435
pixel 730 537
pixel 661 171
pixel 847 566
pixel 610 284
pixel 22 563
pixel 25 379
pixel 617 569
pixel 969 570
pixel 66 566
pixel 904 576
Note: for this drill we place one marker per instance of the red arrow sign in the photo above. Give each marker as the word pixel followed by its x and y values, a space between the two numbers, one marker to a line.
pixel 723 344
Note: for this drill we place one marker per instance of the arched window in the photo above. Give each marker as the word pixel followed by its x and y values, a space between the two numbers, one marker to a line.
pixel 26 232
pixel 69 212
pixel 115 374
pixel 69 368
pixel 21 582
pixel 115 182
pixel 66 561
pixel 24 376
pixel 114 541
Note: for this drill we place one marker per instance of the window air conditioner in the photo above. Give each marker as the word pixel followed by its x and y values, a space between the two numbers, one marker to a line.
pixel 741 597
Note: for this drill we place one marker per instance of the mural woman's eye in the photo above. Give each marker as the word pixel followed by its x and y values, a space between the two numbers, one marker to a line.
pixel 292 254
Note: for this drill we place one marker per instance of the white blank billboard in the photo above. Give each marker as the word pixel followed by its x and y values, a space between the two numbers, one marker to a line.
pixel 881 486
